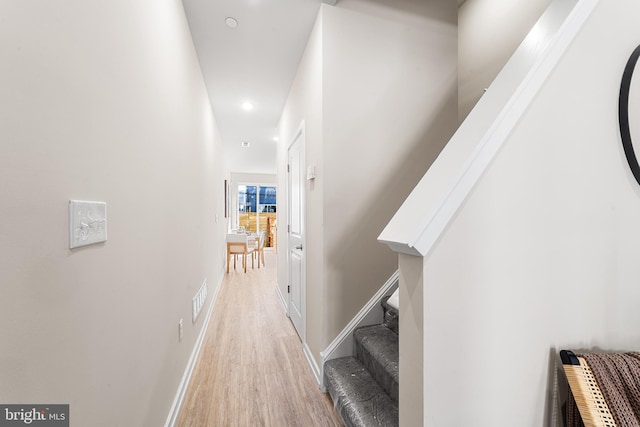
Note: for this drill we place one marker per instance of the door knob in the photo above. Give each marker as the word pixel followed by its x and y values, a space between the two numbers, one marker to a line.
pixel 299 247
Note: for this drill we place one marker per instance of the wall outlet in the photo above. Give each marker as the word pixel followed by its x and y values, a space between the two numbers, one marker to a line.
pixel 180 330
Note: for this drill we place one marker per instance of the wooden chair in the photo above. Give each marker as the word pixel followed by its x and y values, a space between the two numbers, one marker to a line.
pixel 238 244
pixel 272 226
pixel 259 247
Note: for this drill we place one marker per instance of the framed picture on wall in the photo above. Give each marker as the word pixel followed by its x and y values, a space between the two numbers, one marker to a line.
pixel 226 198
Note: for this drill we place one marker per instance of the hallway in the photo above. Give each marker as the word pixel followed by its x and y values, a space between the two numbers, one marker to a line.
pixel 251 370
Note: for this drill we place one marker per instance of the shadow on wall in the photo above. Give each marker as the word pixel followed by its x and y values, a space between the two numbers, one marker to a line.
pixel 556 391
pixel 358 256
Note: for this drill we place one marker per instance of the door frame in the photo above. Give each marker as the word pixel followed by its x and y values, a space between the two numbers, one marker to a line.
pixel 300 133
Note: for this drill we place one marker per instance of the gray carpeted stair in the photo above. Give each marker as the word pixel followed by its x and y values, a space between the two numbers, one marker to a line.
pixel 390 315
pixel 364 387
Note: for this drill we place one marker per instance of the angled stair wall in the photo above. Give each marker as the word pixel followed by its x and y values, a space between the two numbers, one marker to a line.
pixel 530 244
pixel 424 215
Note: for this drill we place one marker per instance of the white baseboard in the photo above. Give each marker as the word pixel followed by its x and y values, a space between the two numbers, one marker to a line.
pixel 281 298
pixel 314 366
pixel 370 314
pixel 186 377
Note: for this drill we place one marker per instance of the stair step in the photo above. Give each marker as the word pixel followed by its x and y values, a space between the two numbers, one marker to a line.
pixel 377 349
pixel 391 315
pixel 358 398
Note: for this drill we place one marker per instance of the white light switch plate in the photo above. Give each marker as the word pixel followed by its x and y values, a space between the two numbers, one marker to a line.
pixel 87 223
pixel 311 172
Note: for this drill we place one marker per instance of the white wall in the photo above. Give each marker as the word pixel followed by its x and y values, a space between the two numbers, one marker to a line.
pixel 103 101
pixel 390 80
pixel 542 256
pixel 377 93
pixel 411 325
pixel 489 31
pixel 304 105
pixel 253 178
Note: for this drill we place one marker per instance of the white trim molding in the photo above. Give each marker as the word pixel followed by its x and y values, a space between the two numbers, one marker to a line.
pixel 370 314
pixel 424 216
pixel 317 372
pixel 186 377
pixel 283 301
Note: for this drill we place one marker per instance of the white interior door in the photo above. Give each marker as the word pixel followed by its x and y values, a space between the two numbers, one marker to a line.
pixel 295 247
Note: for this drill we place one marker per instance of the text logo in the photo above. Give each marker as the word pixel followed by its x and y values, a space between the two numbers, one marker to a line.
pixel 34 415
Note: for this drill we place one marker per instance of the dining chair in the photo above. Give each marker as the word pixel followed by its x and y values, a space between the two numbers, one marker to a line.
pixel 238 244
pixel 259 247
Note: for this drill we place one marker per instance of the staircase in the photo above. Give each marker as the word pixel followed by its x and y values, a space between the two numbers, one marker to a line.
pixel 364 387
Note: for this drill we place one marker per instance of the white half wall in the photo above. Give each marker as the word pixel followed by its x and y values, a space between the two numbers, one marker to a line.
pixel 426 212
pixel 104 101
pixel 543 254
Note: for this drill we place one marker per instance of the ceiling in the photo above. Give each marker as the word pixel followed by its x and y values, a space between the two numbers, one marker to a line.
pixel 254 62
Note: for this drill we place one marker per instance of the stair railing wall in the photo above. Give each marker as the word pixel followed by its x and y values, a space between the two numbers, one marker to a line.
pixel 424 215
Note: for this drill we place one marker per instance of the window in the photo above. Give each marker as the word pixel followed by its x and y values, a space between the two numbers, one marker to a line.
pixel 257 207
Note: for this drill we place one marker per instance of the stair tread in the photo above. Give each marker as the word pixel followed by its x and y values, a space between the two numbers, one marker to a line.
pixel 381 343
pixel 385 304
pixel 357 396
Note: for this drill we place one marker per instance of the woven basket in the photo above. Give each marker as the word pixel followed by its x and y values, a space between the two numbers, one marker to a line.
pixel 586 392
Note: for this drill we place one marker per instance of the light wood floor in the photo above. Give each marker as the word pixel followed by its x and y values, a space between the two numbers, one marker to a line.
pixel 251 370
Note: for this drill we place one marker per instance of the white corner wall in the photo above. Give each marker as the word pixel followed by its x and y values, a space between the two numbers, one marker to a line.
pixel 104 101
pixel 542 255
pixel 390 90
pixel 376 90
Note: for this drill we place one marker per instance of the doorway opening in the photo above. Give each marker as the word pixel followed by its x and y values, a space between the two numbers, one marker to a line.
pixel 257 211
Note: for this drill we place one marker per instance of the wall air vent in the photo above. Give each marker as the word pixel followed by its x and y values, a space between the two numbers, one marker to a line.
pixel 198 301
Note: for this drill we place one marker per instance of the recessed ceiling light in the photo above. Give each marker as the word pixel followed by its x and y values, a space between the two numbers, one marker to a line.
pixel 247 106
pixel 245 144
pixel 231 22
pixel 275 138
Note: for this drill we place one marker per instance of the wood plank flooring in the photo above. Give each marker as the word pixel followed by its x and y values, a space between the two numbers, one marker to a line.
pixel 251 370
